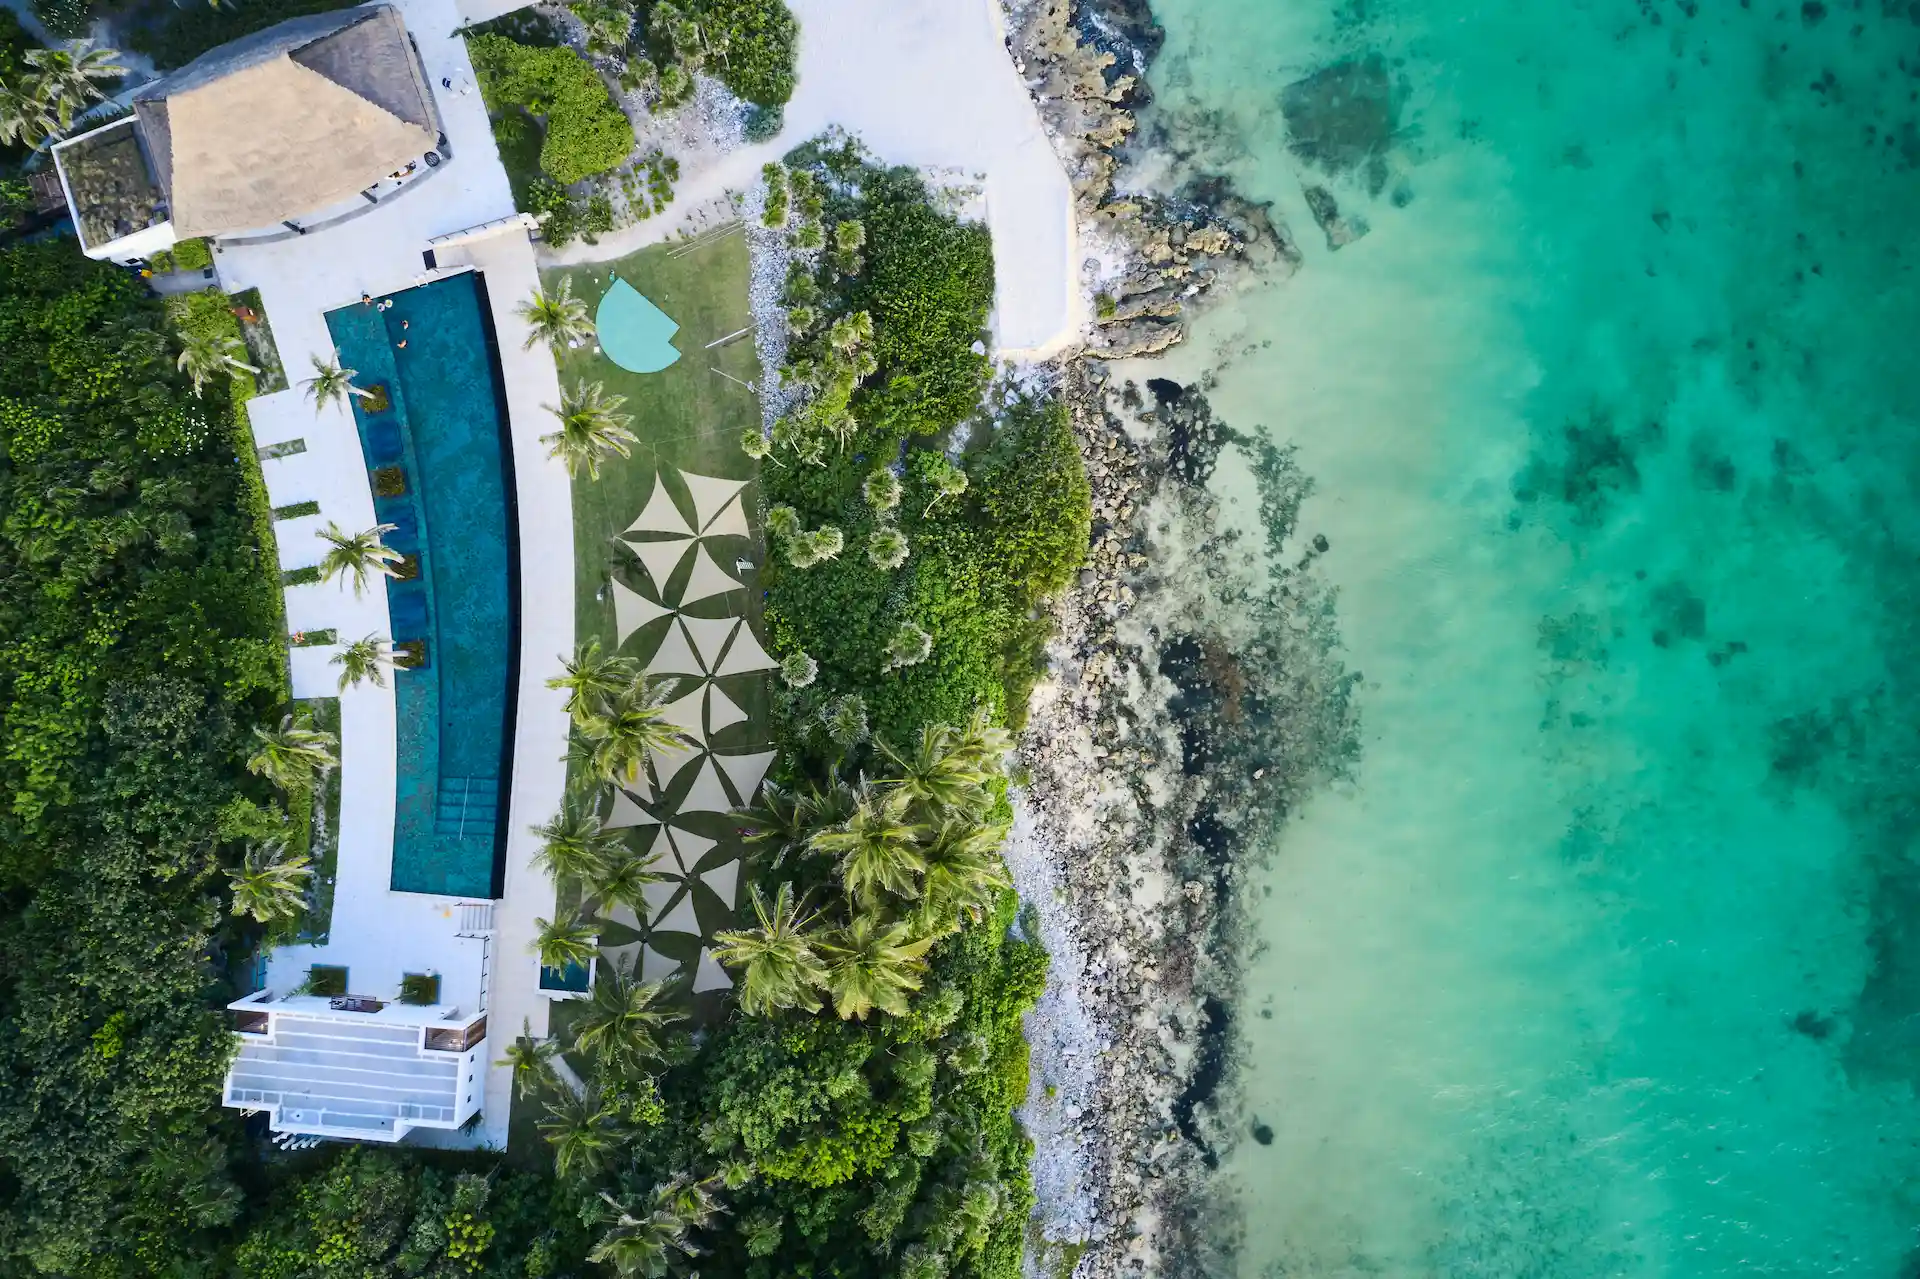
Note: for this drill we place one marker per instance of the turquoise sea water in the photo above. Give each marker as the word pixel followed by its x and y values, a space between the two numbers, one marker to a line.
pixel 1608 960
pixel 444 430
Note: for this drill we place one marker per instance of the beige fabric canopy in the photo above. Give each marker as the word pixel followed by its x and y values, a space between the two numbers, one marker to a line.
pixel 668 761
pixel 689 848
pixel 708 579
pixel 709 495
pixel 660 515
pixel 656 967
pixel 675 656
pixel 683 712
pixel 706 795
pixel 660 559
pixel 731 522
pixel 745 657
pixel 632 610
pixel 722 712
pixel 625 812
pixel 709 636
pixel 274 141
pixel 709 975
pixel 680 919
pixel 745 772
pixel 724 880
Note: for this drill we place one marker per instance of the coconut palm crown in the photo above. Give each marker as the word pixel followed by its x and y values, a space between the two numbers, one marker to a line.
pixel 559 319
pixel 782 970
pixel 592 428
pixel 356 557
pixel 204 354
pixel 290 755
pixel 271 883
pixel 330 383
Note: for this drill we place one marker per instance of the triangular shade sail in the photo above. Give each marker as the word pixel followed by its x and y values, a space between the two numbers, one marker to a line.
pixel 632 610
pixel 617 957
pixel 731 522
pixel 622 914
pixel 710 975
pixel 724 880
pixel 659 559
pixel 707 795
pixel 661 515
pixel 709 635
pixel 680 919
pixel 668 761
pixel 745 657
pixel 745 772
pixel 689 848
pixel 708 579
pixel 674 656
pixel 709 495
pixel 626 813
pixel 657 895
pixel 722 714
pixel 683 712
pixel 656 967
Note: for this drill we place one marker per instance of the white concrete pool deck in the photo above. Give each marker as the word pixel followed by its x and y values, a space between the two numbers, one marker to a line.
pixel 374 929
pixel 926 83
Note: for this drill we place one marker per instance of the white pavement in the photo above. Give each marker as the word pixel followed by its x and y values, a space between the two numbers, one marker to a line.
pixel 375 930
pixel 926 83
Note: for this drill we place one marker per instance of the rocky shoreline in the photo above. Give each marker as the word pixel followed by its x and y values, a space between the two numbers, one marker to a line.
pixel 1194 698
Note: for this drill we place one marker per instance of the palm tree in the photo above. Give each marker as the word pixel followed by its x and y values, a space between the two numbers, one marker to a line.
pixel 357 556
pixel 290 755
pixel 582 1129
pixel 330 382
pixel 566 939
pixel 887 548
pixel 623 881
pixel 620 1023
pixel 624 730
pixel 882 490
pixel 778 825
pixel 641 1241
pixel 367 658
pixel 559 320
pixel 574 845
pixel 877 848
pixel 936 771
pixel 66 79
pixel 873 965
pixel 964 870
pixel 26 118
pixel 531 1059
pixel 850 332
pixel 947 480
pixel 204 354
pixel 781 968
pixel 591 428
pixel 271 882
pixel 588 676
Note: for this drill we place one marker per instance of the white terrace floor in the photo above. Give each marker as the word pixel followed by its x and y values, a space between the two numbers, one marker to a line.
pixel 375 931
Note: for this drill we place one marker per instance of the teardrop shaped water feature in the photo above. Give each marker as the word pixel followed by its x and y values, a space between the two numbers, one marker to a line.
pixel 634 333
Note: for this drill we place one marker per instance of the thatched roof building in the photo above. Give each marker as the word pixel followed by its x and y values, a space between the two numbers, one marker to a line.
pixel 280 124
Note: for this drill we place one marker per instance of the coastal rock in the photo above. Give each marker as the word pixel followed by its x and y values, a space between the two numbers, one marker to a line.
pixel 1136 338
pixel 1340 230
pixel 1341 118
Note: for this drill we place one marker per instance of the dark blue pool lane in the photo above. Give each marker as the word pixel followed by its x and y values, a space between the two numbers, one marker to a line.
pixel 442 435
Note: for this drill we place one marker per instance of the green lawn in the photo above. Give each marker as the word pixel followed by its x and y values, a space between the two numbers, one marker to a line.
pixel 689 418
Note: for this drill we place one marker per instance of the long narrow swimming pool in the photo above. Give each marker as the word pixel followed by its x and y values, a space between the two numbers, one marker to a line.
pixel 434 438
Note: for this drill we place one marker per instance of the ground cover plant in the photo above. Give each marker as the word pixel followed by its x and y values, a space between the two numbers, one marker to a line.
pixel 140 647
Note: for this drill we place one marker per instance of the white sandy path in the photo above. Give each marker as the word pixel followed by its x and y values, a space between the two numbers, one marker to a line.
pixel 377 931
pixel 926 83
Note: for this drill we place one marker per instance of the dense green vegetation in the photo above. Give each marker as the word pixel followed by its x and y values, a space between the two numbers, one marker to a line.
pixel 175 34
pixel 585 132
pixel 988 533
pixel 141 626
pixel 852 1116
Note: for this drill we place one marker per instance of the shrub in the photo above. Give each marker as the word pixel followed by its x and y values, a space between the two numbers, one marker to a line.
pixel 420 988
pixel 410 654
pixel 759 39
pixel 377 399
pixel 326 981
pixel 390 481
pixel 294 510
pixel 305 576
pixel 192 255
pixel 586 132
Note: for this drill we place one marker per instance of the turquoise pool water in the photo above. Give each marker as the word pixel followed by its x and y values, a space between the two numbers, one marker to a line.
pixel 444 430
pixel 1607 963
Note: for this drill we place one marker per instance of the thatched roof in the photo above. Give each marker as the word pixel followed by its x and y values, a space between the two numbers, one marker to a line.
pixel 288 120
